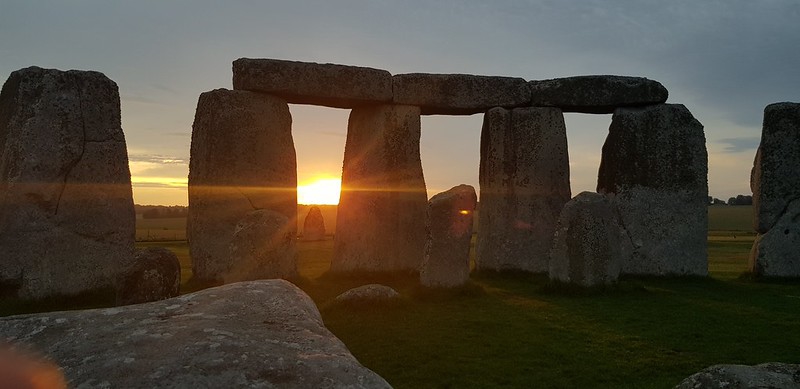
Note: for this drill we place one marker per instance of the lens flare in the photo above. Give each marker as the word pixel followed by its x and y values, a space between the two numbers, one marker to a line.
pixel 320 191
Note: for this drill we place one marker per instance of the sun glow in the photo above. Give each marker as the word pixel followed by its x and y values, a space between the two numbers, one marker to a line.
pixel 320 191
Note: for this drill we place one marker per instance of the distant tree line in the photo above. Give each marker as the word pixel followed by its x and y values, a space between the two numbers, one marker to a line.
pixel 738 200
pixel 161 211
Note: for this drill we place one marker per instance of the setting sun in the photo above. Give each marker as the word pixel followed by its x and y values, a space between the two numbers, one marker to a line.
pixel 321 191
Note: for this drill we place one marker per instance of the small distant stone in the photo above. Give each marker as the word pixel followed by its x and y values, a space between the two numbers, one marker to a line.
pixel 371 292
pixel 155 274
pixel 771 375
pixel 314 225
pixel 596 93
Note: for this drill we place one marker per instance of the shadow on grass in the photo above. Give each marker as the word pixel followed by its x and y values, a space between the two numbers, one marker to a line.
pixel 97 298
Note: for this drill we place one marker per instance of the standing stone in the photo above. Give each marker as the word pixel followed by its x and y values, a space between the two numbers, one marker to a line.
pixel 655 162
pixel 449 225
pixel 155 274
pixel 314 225
pixel 242 160
pixel 67 222
pixel 524 178
pixel 262 246
pixel 381 217
pixel 589 243
pixel 775 182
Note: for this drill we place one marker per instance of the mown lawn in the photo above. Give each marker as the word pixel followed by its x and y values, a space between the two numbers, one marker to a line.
pixel 514 330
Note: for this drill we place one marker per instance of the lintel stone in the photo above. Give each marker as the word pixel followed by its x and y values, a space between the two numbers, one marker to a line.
pixel 596 93
pixel 459 94
pixel 331 85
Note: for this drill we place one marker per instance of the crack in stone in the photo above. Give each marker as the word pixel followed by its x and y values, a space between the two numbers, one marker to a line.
pixel 782 212
pixel 83 147
pixel 241 192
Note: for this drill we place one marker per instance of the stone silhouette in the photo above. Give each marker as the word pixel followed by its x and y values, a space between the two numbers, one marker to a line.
pixel 248 334
pixel 449 225
pixel 242 160
pixel 155 274
pixel 654 162
pixel 66 208
pixel 524 182
pixel 314 225
pixel 775 182
pixel 589 244
pixel 381 218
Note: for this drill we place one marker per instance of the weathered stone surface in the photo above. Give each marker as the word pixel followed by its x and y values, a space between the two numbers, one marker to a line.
pixel 589 244
pixel 249 334
pixel 449 225
pixel 459 94
pixel 155 274
pixel 380 223
pixel 262 246
pixel 524 178
pixel 66 208
pixel 776 253
pixel 314 225
pixel 368 293
pixel 331 85
pixel 242 159
pixel 775 180
pixel 596 94
pixel 655 161
pixel 771 375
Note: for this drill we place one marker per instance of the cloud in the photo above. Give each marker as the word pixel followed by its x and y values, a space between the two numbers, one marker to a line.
pixel 738 145
pixel 159 159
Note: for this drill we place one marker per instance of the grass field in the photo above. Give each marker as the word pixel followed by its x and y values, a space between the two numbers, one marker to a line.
pixel 515 330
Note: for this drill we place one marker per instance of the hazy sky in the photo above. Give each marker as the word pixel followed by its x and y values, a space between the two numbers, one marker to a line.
pixel 725 60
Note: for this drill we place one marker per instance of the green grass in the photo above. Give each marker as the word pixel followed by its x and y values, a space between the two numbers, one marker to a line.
pixel 518 330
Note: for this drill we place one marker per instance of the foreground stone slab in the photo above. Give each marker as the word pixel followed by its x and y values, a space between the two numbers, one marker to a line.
pixel 459 94
pixel 380 224
pixel 589 244
pixel 449 225
pixel 66 208
pixel 771 375
pixel 242 160
pixel 524 178
pixel 655 162
pixel 338 86
pixel 596 94
pixel 775 180
pixel 250 334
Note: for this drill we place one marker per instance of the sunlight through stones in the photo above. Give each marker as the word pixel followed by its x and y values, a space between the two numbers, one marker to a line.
pixel 381 216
